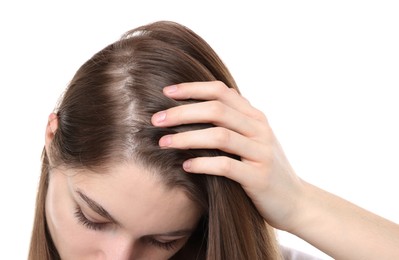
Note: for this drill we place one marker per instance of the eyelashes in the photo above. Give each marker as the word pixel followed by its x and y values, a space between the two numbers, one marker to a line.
pixel 87 223
pixel 82 219
pixel 164 245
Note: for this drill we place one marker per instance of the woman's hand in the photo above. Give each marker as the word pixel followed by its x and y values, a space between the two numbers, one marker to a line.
pixel 264 171
pixel 330 223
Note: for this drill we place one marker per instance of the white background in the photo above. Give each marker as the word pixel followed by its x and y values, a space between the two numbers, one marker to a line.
pixel 326 73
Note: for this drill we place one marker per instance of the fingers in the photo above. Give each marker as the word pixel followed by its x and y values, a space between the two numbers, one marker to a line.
pixel 215 90
pixel 213 112
pixel 240 129
pixel 224 166
pixel 216 138
pixel 223 107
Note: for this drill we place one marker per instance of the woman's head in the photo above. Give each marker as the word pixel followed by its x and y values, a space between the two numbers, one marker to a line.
pixel 103 164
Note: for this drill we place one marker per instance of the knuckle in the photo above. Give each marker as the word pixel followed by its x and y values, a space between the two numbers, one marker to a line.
pixel 258 113
pixel 266 131
pixel 220 88
pixel 225 166
pixel 221 136
pixel 216 108
pixel 220 84
pixel 261 116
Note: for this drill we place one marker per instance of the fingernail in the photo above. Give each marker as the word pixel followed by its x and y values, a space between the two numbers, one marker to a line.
pixel 159 117
pixel 165 141
pixel 170 89
pixel 187 165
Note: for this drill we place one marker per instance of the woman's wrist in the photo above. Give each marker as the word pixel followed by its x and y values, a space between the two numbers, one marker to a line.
pixel 311 209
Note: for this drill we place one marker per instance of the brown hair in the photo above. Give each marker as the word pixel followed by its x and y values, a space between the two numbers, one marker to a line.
pixel 104 118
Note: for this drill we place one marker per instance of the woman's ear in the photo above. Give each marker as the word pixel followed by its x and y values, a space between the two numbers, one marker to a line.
pixel 51 128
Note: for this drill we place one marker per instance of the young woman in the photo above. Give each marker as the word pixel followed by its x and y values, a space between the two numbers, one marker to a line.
pixel 152 153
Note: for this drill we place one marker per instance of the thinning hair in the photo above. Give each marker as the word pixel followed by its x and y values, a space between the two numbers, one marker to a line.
pixel 104 117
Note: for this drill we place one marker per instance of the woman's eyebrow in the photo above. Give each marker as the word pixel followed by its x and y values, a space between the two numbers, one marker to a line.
pixel 177 233
pixel 96 207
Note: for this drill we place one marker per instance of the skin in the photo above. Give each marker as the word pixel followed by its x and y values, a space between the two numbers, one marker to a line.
pixel 144 216
pixel 332 224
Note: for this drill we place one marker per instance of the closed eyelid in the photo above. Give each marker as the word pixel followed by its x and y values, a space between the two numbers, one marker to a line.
pixel 168 238
pixel 89 216
pixel 96 207
pixel 86 222
pixel 178 233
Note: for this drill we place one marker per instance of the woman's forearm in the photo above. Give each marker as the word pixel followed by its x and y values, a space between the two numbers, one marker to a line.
pixel 344 230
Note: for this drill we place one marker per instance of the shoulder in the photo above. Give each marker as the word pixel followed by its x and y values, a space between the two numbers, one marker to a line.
pixel 293 254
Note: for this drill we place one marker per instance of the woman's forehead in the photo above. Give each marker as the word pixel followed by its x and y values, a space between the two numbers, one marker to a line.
pixel 132 195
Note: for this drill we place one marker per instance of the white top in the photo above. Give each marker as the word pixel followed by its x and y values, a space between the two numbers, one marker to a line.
pixel 293 254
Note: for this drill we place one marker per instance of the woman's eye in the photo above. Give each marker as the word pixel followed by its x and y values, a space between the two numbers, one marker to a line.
pixel 87 223
pixel 170 245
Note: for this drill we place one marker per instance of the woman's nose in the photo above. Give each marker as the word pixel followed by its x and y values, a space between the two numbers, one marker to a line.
pixel 121 249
